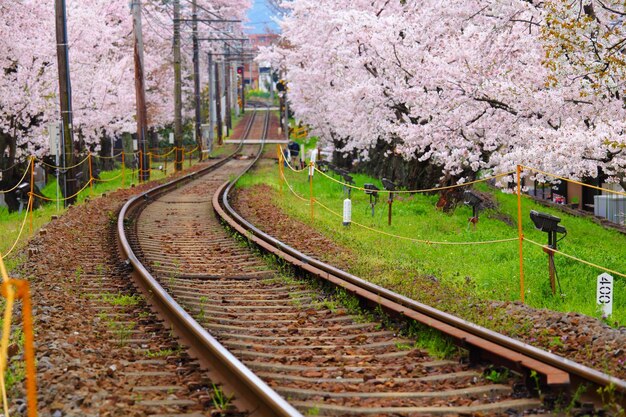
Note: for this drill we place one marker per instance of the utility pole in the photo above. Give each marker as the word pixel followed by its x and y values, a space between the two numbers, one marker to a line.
pixel 286 114
pixel 65 92
pixel 243 82
pixel 196 75
pixel 271 86
pixel 178 127
pixel 211 103
pixel 140 93
pixel 227 88
pixel 234 91
pixel 218 104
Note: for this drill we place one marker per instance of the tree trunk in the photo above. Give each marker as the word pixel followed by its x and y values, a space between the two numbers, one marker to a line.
pixel 106 163
pixel 10 173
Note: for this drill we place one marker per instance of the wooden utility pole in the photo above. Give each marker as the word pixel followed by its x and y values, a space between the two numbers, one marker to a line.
pixel 243 81
pixel 218 104
pixel 228 89
pixel 196 75
pixel 178 126
pixel 211 103
pixel 65 95
pixel 140 93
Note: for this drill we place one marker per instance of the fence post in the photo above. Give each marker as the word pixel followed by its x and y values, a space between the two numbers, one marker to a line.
pixel 123 170
pixel 520 232
pixel 281 164
pixel 31 194
pixel 311 170
pixel 90 173
pixel 140 176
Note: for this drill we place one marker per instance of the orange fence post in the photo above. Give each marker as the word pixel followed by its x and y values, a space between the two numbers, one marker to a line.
pixel 520 232
pixel 165 170
pixel 182 155
pixel 140 177
pixel 31 195
pixel 123 170
pixel 281 163
pixel 150 169
pixel 311 168
pixel 90 173
pixel 23 292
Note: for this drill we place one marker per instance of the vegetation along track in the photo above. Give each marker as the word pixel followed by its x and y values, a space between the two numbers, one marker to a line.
pixel 254 329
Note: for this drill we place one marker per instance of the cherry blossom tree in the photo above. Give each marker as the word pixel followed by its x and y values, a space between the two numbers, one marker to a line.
pixel 462 87
pixel 101 70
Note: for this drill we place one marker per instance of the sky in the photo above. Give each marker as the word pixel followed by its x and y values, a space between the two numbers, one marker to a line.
pixel 260 17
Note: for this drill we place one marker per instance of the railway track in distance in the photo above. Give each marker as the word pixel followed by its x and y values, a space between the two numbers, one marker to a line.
pixel 281 346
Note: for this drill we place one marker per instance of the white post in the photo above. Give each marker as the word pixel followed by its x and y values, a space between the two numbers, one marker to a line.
pixel 347 212
pixel 604 294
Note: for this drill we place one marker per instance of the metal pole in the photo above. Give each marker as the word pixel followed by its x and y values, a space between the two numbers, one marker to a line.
pixel 286 125
pixel 65 95
pixel 196 76
pixel 178 128
pixel 520 232
pixel 140 90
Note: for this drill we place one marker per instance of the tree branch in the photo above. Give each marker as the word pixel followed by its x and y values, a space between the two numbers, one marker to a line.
pixel 496 104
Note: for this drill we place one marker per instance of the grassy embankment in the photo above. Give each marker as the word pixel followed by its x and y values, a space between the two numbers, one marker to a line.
pixel 11 223
pixel 481 271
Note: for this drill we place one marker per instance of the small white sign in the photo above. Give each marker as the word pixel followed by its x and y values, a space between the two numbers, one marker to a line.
pixel 604 294
pixel 347 212
pixel 135 145
pixel 313 161
pixel 54 133
pixel 171 138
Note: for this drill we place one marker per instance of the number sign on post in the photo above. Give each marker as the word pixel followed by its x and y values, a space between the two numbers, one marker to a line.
pixel 605 294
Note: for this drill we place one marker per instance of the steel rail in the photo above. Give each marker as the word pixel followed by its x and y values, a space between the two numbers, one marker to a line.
pixel 558 371
pixel 253 394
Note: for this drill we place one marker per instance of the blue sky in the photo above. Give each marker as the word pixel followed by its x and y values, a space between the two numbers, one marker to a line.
pixel 260 18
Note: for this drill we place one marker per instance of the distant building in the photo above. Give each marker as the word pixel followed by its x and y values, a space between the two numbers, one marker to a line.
pixel 258 76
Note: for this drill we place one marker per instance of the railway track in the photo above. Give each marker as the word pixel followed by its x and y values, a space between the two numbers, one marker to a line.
pixel 282 347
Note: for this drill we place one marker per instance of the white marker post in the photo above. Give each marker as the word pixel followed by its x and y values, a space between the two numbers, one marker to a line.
pixel 604 295
pixel 55 144
pixel 313 160
pixel 347 212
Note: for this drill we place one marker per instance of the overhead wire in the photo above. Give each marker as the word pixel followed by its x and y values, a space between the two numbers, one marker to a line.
pixel 26 171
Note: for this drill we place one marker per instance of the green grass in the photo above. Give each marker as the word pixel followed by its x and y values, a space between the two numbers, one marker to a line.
pixel 10 223
pixel 257 94
pixel 485 271
pixel 121 299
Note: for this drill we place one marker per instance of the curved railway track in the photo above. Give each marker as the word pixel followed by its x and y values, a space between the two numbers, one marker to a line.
pixel 279 345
